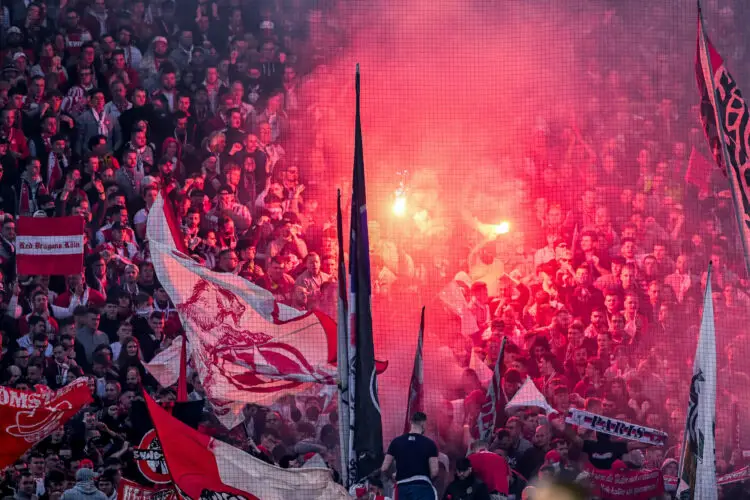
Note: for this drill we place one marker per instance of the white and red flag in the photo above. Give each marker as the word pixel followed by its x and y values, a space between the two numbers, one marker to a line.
pixel 203 467
pixel 26 418
pixel 49 245
pixel 241 352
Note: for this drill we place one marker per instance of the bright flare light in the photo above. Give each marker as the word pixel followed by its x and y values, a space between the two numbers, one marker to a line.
pixel 502 228
pixel 399 206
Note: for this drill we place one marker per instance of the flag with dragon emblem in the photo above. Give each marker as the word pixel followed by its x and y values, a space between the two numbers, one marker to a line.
pixel 241 353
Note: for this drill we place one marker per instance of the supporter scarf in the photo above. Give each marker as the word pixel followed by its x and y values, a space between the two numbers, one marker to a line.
pixel 100 122
pixel 29 194
pixel 25 204
pixel 55 165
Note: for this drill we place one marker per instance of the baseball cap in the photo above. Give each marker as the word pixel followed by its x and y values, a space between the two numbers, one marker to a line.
pixel 86 464
pixel 14 29
pixel 84 474
pixel 161 39
pixel 19 55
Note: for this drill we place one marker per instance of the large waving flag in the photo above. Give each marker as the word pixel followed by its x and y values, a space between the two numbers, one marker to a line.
pixel 366 441
pixel 487 417
pixel 725 115
pixel 415 402
pixel 241 353
pixel 204 468
pixel 697 474
pixel 27 418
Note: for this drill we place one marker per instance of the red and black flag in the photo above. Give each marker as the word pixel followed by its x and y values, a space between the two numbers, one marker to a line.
pixel 725 119
pixel 148 466
pixel 202 467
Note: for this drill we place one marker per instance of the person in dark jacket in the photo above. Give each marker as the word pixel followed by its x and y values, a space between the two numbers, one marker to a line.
pixel 466 486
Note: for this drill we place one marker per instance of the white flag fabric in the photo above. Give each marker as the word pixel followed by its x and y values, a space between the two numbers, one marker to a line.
pixel 165 366
pixel 698 462
pixel 452 296
pixel 529 395
pixel 241 354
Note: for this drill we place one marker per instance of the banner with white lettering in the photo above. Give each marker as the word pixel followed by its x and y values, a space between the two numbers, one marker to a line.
pixel 626 484
pixel 614 427
pixel 26 418
pixel 742 474
pixel 130 490
pixel 49 245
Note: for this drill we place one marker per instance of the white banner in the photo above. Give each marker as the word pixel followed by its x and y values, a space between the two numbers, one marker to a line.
pixel 614 427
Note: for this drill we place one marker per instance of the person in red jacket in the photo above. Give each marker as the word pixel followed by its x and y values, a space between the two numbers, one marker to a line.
pixel 89 297
pixel 19 146
pixel 490 467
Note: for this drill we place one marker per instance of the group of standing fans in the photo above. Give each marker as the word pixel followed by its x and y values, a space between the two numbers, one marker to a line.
pixel 106 103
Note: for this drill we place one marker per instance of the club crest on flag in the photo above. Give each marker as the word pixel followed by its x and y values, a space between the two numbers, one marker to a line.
pixel 150 459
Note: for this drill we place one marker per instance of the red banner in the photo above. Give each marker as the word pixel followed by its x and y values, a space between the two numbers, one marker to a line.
pixel 28 417
pixel 625 484
pixel 49 245
pixel 130 490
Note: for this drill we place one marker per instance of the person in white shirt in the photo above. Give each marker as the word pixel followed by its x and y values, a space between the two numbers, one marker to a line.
pixel 124 331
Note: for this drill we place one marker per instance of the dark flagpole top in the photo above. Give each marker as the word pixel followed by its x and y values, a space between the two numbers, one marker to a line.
pixel 699 5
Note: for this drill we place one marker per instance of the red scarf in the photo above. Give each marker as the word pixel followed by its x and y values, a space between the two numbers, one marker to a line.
pixel 54 171
pixel 26 196
pixel 25 199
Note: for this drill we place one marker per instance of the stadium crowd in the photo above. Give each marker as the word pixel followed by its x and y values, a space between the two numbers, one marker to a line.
pixel 105 103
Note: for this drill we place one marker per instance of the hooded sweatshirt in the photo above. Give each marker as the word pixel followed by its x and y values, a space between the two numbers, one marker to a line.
pixel 84 488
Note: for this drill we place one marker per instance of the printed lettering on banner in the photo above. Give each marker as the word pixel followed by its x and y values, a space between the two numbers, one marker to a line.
pixel 615 427
pixel 641 484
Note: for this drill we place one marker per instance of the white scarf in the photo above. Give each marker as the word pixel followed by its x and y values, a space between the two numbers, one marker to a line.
pixel 100 122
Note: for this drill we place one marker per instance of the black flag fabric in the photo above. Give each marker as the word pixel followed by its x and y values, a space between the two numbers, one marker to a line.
pixel 366 440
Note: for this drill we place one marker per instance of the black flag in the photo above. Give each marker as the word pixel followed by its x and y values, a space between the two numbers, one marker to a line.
pixel 366 440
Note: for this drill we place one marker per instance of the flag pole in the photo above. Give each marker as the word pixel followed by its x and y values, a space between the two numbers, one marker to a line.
pixel 342 350
pixel 708 77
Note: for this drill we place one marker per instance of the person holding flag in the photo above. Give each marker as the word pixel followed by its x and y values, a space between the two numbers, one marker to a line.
pixel 416 460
